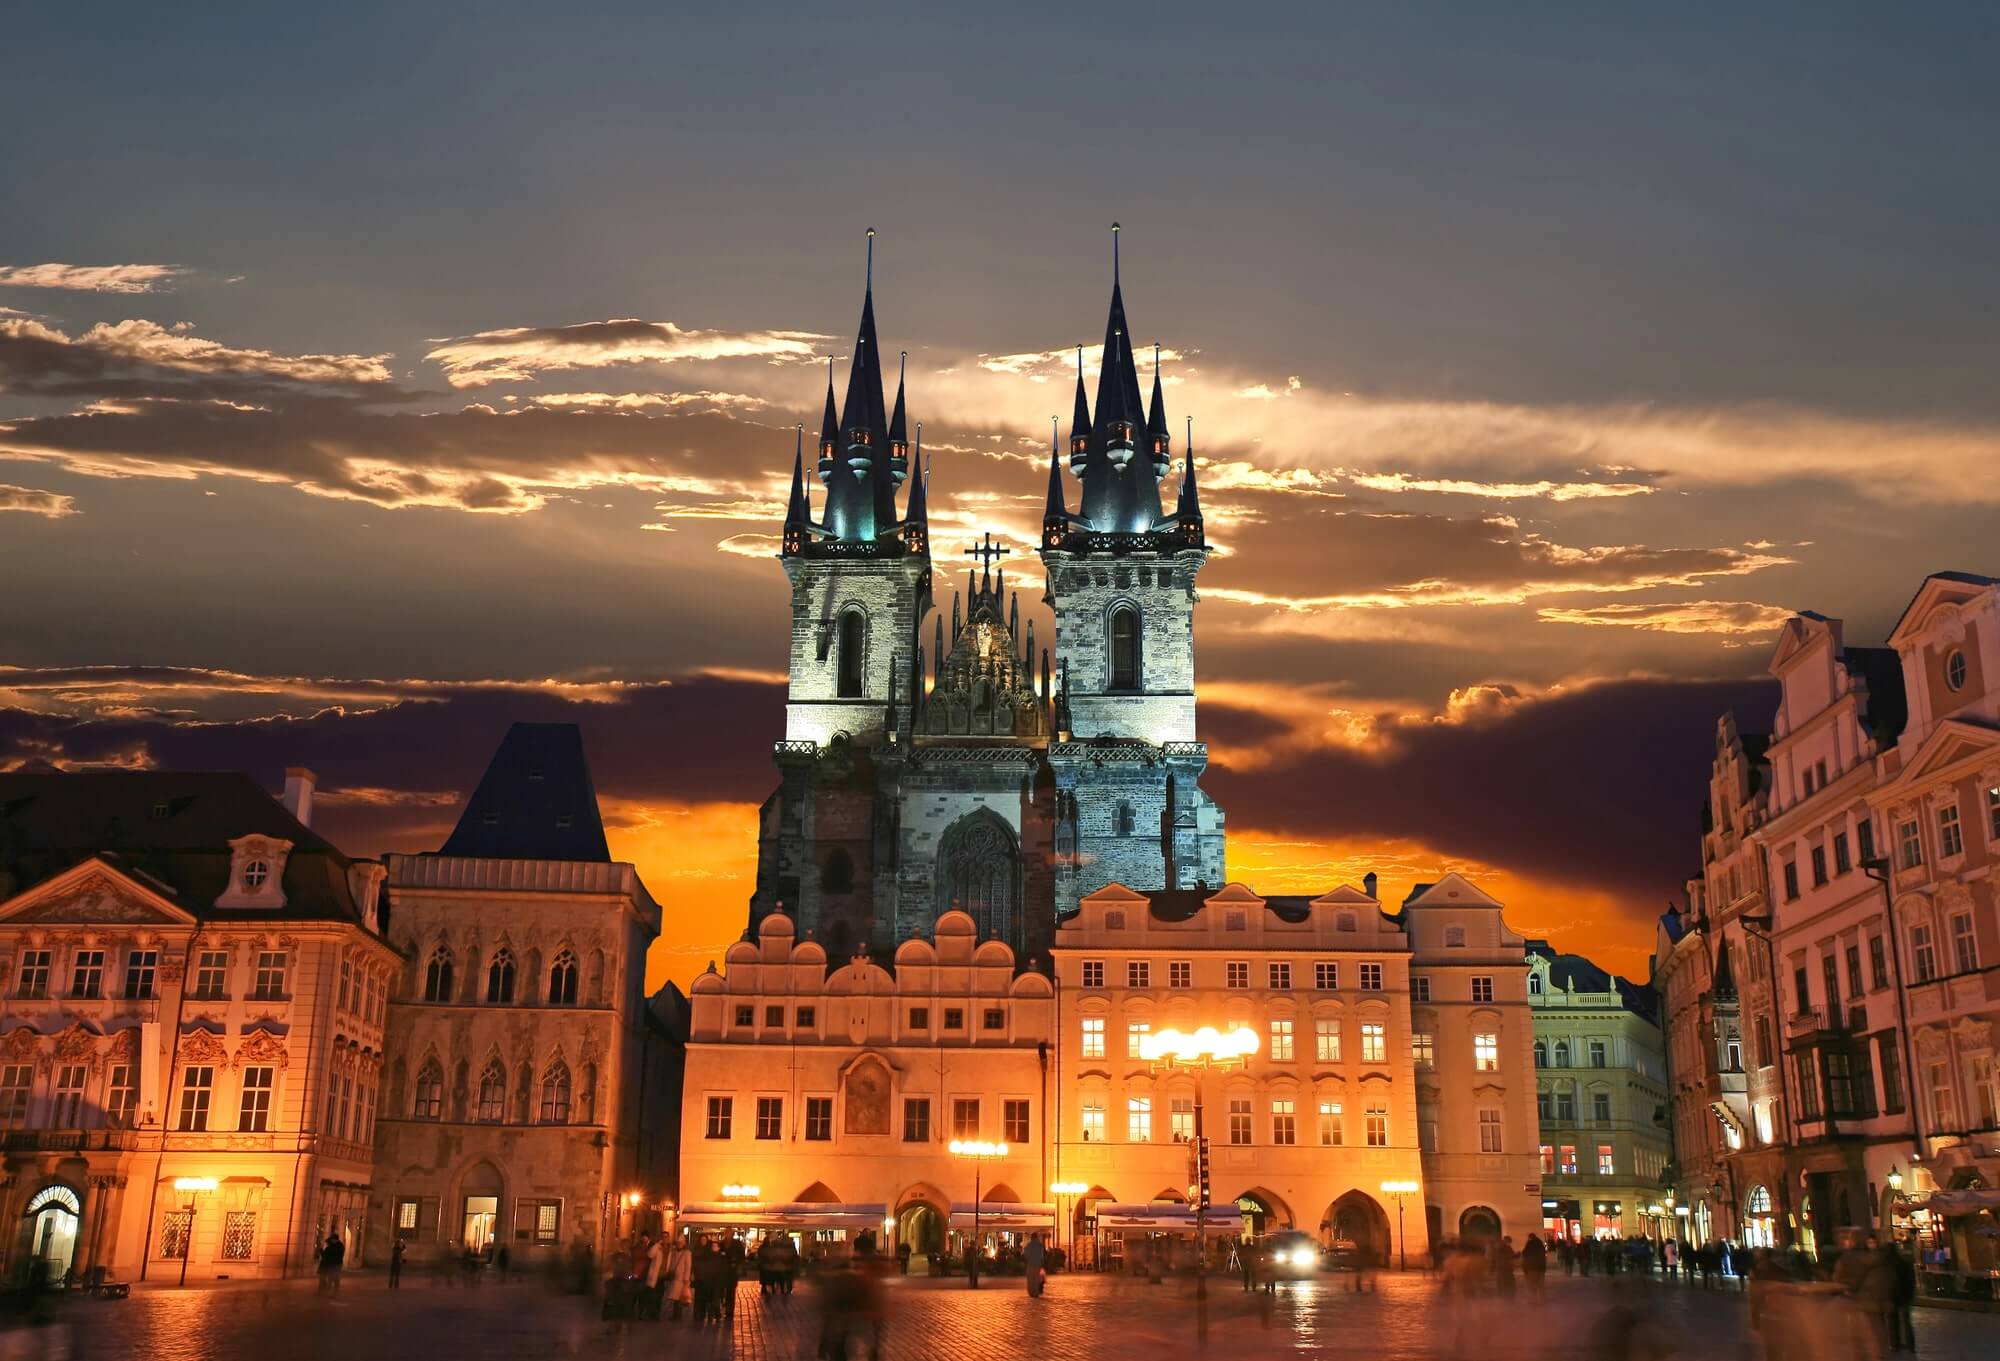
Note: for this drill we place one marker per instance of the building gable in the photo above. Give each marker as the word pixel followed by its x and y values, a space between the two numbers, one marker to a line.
pixel 94 892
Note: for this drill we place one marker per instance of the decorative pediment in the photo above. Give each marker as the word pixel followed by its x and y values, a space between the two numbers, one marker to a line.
pixel 21 1044
pixel 1795 637
pixel 203 1047
pixel 77 1043
pixel 256 873
pixel 261 1047
pixel 1952 743
pixel 1935 607
pixel 91 894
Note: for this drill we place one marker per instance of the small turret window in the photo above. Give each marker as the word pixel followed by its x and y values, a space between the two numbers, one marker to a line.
pixel 1125 664
pixel 853 637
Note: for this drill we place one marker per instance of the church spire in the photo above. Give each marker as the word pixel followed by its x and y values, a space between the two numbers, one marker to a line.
pixel 829 428
pixel 1188 511
pixel 1055 512
pixel 856 458
pixel 1156 424
pixel 899 442
pixel 1079 422
pixel 1118 498
pixel 798 511
pixel 917 523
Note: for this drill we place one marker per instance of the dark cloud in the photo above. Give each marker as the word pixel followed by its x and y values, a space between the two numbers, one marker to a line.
pixel 1599 787
pixel 138 358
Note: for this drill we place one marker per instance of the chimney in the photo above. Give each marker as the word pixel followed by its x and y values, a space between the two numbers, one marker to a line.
pixel 1368 883
pixel 298 795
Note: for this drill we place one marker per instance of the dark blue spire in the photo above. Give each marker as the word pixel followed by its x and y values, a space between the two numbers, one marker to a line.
pixel 861 492
pixel 1121 490
pixel 1055 512
pixel 798 511
pixel 1188 510
pixel 1157 439
pixel 1079 422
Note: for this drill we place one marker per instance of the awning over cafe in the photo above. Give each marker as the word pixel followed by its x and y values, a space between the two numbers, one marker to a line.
pixel 1003 1214
pixel 789 1215
pixel 1167 1216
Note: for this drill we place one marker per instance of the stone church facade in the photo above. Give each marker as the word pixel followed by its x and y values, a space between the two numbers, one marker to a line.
pixel 940 760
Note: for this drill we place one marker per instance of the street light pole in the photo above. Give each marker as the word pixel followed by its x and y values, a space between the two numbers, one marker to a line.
pixel 1397 1190
pixel 978 1150
pixel 191 1187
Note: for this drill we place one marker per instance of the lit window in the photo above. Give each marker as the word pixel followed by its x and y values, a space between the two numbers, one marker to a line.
pixel 1135 1038
pixel 174 1227
pixel 1239 973
pixel 1548 1160
pixel 1093 973
pixel 1093 1122
pixel 1422 1050
pixel 1326 1039
pixel 1377 1117
pixel 1567 1165
pixel 1093 1037
pixel 1326 975
pixel 1606 1163
pixel 1284 1121
pixel 1486 1052
pixel 1281 1041
pixel 1139 1119
pixel 239 1235
pixel 1374 1048
pixel 1482 988
pixel 1329 1124
pixel 1371 978
pixel 1489 1130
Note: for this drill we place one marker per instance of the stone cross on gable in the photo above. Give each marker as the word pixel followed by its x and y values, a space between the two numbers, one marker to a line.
pixel 986 552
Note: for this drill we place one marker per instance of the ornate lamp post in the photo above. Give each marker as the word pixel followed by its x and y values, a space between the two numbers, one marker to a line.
pixel 1206 1048
pixel 192 1188
pixel 1062 1190
pixel 979 1151
pixel 1399 1189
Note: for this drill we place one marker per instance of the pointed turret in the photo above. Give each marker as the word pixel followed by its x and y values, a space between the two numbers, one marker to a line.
pixel 1157 437
pixel 917 523
pixel 829 429
pixel 1055 511
pixel 861 505
pixel 798 511
pixel 1188 509
pixel 1118 497
pixel 1079 420
pixel 899 443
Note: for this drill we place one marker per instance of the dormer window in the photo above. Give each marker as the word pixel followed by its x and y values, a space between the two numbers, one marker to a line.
pixel 256 874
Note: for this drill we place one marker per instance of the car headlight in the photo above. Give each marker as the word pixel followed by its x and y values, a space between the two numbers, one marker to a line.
pixel 1303 1257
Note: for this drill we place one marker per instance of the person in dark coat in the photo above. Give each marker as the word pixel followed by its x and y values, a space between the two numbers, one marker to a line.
pixel 1504 1258
pixel 1534 1264
pixel 397 1252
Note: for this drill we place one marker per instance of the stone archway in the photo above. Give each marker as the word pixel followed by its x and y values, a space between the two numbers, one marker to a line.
pixel 1264 1211
pixel 1358 1218
pixel 1478 1225
pixel 921 1215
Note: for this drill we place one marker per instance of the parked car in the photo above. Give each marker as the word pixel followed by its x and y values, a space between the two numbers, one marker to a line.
pixel 1289 1256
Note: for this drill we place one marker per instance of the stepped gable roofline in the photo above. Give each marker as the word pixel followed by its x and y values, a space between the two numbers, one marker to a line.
pixel 535 801
pixel 171 832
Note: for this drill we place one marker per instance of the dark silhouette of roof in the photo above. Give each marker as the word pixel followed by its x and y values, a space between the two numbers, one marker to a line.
pixel 1881 669
pixel 1574 973
pixel 535 801
pixel 169 829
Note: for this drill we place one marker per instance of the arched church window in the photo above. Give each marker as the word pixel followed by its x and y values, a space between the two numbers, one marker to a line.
pixel 429 1103
pixel 979 873
pixel 853 637
pixel 562 980
pixel 555 1094
pixel 837 874
pixel 500 977
pixel 493 1093
pixel 1125 662
pixel 437 976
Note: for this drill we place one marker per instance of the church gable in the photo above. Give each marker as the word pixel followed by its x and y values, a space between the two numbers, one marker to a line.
pixel 94 893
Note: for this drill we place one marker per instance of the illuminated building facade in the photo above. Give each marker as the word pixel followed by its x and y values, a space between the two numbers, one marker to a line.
pixel 939 758
pixel 193 985
pixel 530 1092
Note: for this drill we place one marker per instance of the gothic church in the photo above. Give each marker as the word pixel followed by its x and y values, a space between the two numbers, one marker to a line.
pixel 978 772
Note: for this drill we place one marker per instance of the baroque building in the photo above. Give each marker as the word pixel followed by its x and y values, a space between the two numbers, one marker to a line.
pixel 940 760
pixel 1601 1096
pixel 192 986
pixel 531 1088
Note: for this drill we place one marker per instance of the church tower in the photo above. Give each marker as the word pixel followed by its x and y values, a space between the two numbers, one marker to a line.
pixel 861 584
pixel 1121 580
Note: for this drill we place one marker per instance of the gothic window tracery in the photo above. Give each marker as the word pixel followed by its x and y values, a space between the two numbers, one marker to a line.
pixel 562 980
pixel 555 1094
pixel 500 977
pixel 437 976
pixel 979 873
pixel 493 1093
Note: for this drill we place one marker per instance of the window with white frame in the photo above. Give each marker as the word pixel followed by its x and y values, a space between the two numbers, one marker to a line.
pixel 1923 953
pixel 121 1095
pixel 965 1117
pixel 1951 838
pixel 1281 975
pixel 1326 975
pixel 819 1119
pixel 1993 812
pixel 1489 1129
pixel 1136 1033
pixel 1014 1120
pixel 1371 977
pixel 68 1112
pixel 1420 987
pixel 141 967
pixel 16 1082
pixel 1964 945
pixel 1180 973
pixel 1281 1040
pixel 1329 1124
pixel 1607 1162
pixel 1566 1164
pixel 1374 1044
pixel 770 1118
pixel 1482 988
pixel 197 1086
pixel 1326 1039
pixel 1909 844
pixel 1237 973
pixel 1093 1121
pixel 1423 1050
pixel 1093 973
pixel 1600 1107
pixel 239 1235
pixel 174 1232
pixel 1093 1037
pixel 1239 1119
pixel 254 1111
pixel 1180 1116
pixel 211 974
pixel 86 975
pixel 1284 1120
pixel 1486 1052
pixel 1139 1119
pixel 34 974
pixel 270 984
pixel 1138 973
pixel 1377 1119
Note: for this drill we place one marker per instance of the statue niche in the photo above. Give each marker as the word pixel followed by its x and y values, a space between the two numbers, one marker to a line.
pixel 979 874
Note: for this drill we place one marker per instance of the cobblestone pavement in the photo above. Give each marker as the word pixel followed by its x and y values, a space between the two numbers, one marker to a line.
pixel 1095 1317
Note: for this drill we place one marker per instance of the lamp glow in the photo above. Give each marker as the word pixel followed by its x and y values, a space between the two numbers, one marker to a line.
pixel 190 1185
pixel 739 1192
pixel 1205 1044
pixel 1400 1188
pixel 977 1148
pixel 1068 1188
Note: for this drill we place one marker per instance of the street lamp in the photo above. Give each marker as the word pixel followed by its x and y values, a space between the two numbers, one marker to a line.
pixel 1894 1178
pixel 1206 1048
pixel 1399 1189
pixel 191 1187
pixel 1061 1190
pixel 979 1151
